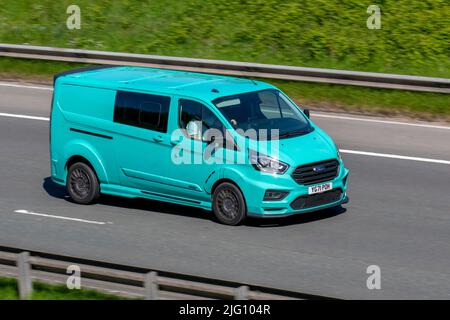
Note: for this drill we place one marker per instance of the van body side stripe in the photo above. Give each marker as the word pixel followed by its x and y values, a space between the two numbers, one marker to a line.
pixel 91 133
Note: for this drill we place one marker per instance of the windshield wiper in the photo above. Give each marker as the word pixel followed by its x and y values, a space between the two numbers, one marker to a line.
pixel 295 133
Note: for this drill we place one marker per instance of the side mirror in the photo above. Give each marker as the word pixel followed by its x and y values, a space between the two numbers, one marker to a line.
pixel 306 112
pixel 193 129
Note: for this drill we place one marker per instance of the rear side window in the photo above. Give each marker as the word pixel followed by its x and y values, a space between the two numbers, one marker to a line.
pixel 142 110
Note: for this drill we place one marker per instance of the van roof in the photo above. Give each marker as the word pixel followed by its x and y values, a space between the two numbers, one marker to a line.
pixel 201 85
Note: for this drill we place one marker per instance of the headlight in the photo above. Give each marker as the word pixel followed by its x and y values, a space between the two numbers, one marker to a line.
pixel 267 164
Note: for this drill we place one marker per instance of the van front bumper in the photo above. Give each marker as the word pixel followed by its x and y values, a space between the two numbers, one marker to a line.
pixel 344 200
pixel 297 201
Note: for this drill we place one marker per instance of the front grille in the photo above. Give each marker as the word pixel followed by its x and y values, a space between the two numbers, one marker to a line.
pixel 315 200
pixel 316 172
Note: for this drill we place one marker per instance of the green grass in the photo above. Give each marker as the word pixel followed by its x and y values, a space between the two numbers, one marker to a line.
pixel 422 105
pixel 414 37
pixel 41 291
pixel 8 289
pixel 20 68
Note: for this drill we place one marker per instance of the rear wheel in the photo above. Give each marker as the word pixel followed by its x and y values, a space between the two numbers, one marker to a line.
pixel 82 183
pixel 229 204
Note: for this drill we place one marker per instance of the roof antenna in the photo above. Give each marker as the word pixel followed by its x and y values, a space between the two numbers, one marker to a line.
pixel 254 82
pixel 214 90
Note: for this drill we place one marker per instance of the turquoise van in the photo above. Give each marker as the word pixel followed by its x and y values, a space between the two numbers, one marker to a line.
pixel 235 146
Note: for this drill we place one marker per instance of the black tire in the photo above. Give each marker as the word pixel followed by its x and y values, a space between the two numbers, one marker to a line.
pixel 82 183
pixel 229 204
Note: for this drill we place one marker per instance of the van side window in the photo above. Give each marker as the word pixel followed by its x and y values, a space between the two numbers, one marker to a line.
pixel 196 119
pixel 142 110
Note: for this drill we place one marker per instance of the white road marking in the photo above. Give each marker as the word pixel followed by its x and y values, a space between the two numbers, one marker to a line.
pixel 372 154
pixel 17 85
pixel 11 115
pixel 332 116
pixel 60 217
pixel 394 156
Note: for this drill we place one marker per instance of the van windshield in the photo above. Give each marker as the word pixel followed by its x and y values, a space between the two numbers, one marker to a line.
pixel 264 111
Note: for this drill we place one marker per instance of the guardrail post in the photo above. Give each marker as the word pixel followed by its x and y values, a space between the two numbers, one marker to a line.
pixel 24 278
pixel 151 286
pixel 241 293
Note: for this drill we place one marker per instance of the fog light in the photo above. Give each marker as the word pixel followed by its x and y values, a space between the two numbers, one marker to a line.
pixel 274 195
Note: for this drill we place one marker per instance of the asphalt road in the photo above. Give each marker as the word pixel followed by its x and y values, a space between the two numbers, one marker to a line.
pixel 398 217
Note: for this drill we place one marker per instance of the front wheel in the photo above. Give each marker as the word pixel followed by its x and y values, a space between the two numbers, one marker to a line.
pixel 229 204
pixel 82 183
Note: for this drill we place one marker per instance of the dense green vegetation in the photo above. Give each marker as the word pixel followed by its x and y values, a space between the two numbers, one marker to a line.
pixel 41 291
pixel 414 39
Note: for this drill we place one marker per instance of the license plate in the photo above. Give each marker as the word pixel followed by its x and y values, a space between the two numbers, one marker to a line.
pixel 320 188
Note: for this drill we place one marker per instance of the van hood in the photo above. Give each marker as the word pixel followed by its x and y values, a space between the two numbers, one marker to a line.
pixel 299 150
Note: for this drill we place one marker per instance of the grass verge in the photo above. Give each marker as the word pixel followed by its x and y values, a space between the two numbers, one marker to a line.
pixel 413 37
pixel 42 291
pixel 419 105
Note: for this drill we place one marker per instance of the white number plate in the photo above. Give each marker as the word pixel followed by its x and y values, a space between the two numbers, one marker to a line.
pixel 320 188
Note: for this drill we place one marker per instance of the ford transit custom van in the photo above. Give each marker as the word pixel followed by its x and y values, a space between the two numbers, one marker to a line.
pixel 233 146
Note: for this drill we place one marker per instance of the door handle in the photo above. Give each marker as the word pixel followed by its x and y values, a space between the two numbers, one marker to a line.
pixel 158 139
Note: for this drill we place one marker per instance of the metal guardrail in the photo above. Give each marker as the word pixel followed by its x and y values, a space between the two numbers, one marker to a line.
pixel 146 284
pixel 329 76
